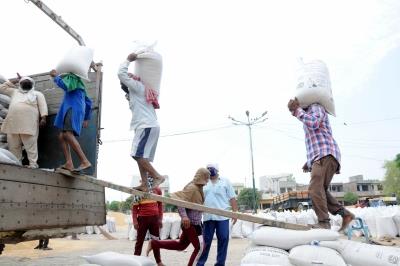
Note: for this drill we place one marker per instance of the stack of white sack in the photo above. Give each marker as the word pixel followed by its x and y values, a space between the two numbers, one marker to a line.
pixel 77 61
pixel 270 246
pixel 116 259
pixel 8 158
pixel 148 65
pixel 4 104
pixel 110 223
pixel 382 221
pixel 171 228
pixel 314 85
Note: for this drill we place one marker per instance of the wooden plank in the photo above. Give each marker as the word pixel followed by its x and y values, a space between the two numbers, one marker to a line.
pixel 41 177
pixel 189 205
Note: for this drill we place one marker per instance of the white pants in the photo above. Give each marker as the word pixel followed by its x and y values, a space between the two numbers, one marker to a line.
pixel 15 143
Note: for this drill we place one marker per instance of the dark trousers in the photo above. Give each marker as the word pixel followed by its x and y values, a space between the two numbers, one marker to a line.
pixel 145 223
pixel 192 235
pixel 321 176
pixel 221 228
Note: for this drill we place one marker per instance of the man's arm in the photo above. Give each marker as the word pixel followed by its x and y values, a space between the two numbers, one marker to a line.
pixel 313 119
pixel 7 88
pixel 124 77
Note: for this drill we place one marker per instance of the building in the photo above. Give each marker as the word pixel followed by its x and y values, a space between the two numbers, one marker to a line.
pixel 277 184
pixel 238 187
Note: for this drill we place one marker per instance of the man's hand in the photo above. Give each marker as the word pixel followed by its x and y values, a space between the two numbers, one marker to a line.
pixel 305 168
pixel 293 105
pixel 136 225
pixel 234 220
pixel 85 123
pixel 42 122
pixel 53 73
pixel 160 223
pixel 132 57
pixel 185 222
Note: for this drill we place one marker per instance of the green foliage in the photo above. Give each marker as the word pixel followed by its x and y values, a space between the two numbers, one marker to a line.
pixel 350 198
pixel 391 182
pixel 169 207
pixel 114 206
pixel 127 204
pixel 245 198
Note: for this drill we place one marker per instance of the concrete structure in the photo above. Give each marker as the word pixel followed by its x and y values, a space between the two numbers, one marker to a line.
pixel 277 184
pixel 238 187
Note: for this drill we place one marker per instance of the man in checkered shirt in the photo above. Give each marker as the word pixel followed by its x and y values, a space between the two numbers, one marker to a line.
pixel 323 161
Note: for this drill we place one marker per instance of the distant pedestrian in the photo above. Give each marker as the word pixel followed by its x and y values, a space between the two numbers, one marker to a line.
pixel 323 161
pixel 43 244
pixel 219 194
pixel 192 232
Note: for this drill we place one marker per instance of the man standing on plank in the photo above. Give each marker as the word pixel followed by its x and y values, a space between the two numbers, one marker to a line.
pixel 144 123
pixel 323 161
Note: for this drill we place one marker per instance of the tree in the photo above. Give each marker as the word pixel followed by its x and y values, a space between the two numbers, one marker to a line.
pixel 127 204
pixel 350 198
pixel 391 183
pixel 114 206
pixel 245 198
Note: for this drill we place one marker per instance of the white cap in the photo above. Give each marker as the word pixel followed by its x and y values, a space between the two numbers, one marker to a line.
pixel 213 165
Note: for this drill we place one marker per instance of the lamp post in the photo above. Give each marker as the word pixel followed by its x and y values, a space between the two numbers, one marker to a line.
pixel 249 124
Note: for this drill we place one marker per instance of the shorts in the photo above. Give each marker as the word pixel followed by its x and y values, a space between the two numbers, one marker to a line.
pixel 144 143
pixel 67 126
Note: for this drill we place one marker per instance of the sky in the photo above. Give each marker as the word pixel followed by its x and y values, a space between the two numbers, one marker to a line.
pixel 220 59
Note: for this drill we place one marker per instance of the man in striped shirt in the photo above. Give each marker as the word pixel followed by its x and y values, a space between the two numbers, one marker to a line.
pixel 323 161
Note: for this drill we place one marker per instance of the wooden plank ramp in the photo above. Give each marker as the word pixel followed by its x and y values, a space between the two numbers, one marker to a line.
pixel 185 204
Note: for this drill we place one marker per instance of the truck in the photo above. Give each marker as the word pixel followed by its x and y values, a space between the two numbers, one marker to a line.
pixel 292 200
pixel 40 203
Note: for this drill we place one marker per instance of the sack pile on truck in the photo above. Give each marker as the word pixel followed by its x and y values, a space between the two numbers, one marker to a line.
pixel 4 104
pixel 314 85
pixel 76 61
pixel 148 65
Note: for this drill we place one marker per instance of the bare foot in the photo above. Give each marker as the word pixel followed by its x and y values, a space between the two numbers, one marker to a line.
pixel 160 264
pixel 346 221
pixel 149 249
pixel 142 188
pixel 159 180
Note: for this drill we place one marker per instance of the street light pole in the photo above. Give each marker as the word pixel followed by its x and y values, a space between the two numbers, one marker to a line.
pixel 251 122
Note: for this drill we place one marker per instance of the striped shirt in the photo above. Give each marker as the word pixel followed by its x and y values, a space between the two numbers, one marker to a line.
pixel 318 134
pixel 193 215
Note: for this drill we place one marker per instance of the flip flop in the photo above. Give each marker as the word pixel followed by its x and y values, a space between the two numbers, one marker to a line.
pixel 64 168
pixel 81 170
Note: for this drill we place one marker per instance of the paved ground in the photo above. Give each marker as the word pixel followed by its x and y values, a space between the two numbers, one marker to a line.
pixel 67 252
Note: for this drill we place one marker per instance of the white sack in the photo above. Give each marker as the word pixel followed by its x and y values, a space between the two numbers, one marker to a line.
pixel 166 228
pixel 89 229
pixel 77 61
pixel 132 234
pixel 2 79
pixel 385 227
pixel 360 254
pixel 7 157
pixel 287 239
pixel 314 86
pixel 5 100
pixel 148 65
pixel 396 220
pixel 247 228
pixel 307 255
pixel 370 220
pixel 266 256
pixel 116 259
pixel 236 230
pixel 175 228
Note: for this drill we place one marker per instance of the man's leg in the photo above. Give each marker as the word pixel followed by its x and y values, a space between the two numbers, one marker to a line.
pixel 223 240
pixel 180 245
pixel 317 194
pixel 154 230
pixel 208 233
pixel 15 145
pixel 69 165
pixel 30 145
pixel 141 234
pixel 74 144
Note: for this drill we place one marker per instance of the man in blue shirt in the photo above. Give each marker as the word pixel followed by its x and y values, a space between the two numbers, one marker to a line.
pixel 219 194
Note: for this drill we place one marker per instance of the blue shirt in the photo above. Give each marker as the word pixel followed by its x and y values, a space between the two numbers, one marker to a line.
pixel 217 195
pixel 76 100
